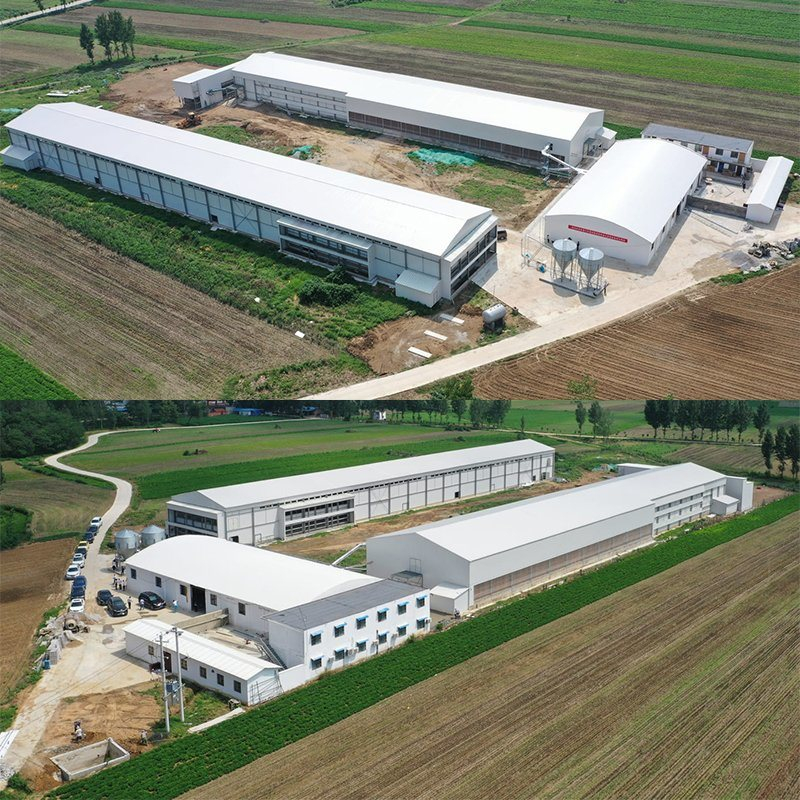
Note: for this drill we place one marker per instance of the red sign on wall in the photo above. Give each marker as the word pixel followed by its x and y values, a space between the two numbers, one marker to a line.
pixel 598 233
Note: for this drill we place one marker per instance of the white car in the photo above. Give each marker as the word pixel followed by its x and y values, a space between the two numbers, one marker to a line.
pixel 96 520
pixel 73 570
pixel 77 558
pixel 77 604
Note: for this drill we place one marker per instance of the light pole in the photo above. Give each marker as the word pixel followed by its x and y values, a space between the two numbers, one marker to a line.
pixel 164 680
pixel 180 677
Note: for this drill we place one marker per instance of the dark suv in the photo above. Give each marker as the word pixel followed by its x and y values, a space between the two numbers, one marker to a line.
pixel 151 600
pixel 104 597
pixel 117 607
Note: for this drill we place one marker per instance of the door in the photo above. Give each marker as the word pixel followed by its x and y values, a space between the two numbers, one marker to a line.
pixel 167 663
pixel 198 599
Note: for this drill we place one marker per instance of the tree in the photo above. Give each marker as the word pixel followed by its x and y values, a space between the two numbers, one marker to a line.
pixel 87 41
pixel 39 4
pixel 129 31
pixel 583 389
pixel 666 413
pixel 686 416
pixel 742 416
pixel 781 449
pixel 651 415
pixel 761 418
pixel 793 448
pixel 595 410
pixel 458 406
pixel 605 423
pixel 580 415
pixel 497 411
pixel 457 386
pixel 34 428
pixel 103 32
pixel 767 447
pixel 727 416
pixel 478 412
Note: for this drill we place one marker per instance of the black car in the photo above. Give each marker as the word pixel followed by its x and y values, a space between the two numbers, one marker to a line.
pixel 78 590
pixel 151 600
pixel 93 528
pixel 88 537
pixel 79 581
pixel 104 597
pixel 117 607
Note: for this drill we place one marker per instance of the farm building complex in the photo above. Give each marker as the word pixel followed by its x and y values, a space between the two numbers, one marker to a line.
pixel 626 204
pixel 285 508
pixel 425 246
pixel 478 558
pixel 305 617
pixel 503 126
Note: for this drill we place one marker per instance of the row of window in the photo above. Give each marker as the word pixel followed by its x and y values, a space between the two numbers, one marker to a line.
pixel 237 685
pixel 320 256
pixel 361 646
pixel 361 622
pixel 299 93
pixel 193 520
pixel 323 241
pixel 318 523
pixel 466 274
pixel 313 511
pixel 462 262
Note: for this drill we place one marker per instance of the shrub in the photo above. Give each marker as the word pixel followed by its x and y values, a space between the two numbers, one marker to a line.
pixel 326 293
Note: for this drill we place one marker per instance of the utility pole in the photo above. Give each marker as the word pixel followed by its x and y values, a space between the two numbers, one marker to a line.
pixel 164 680
pixel 180 677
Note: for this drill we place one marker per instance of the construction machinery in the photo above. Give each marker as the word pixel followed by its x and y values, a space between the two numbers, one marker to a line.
pixel 191 120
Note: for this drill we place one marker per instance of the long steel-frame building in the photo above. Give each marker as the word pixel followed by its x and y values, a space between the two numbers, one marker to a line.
pixel 425 246
pixel 285 508
pixel 497 124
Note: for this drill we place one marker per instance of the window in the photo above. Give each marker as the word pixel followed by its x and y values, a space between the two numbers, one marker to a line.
pixel 421 624
pixel 133 573
pixel 203 672
pixel 338 655
pixel 338 630
pixel 402 607
pixel 316 638
pixel 158 581
pixel 361 622
pixel 237 687
pixel 719 151
pixel 420 602
pixel 382 615
pixel 184 590
pixel 151 650
pixel 242 609
pixel 184 663
pixel 213 599
pixel 402 630
pixel 361 646
pixel 382 638
pixel 220 679
pixel 316 663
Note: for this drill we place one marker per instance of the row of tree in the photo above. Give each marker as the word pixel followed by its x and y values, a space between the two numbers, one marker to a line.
pixel 714 416
pixel 601 419
pixel 783 446
pixel 113 32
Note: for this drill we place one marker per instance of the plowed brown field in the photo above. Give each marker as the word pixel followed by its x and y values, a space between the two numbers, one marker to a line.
pixel 106 326
pixel 712 342
pixel 682 686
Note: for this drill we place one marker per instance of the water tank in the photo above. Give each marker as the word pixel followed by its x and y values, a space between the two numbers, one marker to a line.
pixel 126 541
pixel 591 262
pixel 152 534
pixel 494 314
pixel 564 251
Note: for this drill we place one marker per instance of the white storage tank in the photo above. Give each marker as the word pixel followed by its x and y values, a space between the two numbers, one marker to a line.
pixel 494 317
pixel 152 534
pixel 126 542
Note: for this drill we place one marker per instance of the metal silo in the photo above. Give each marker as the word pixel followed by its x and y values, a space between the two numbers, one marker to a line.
pixel 152 534
pixel 126 542
pixel 564 252
pixel 590 260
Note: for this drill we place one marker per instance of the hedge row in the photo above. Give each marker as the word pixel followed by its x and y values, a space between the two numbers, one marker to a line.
pixel 177 767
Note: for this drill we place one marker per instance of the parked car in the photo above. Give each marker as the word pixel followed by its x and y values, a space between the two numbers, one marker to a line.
pixel 117 607
pixel 104 597
pixel 78 590
pixel 96 521
pixel 77 605
pixel 82 549
pixel 73 570
pixel 93 528
pixel 77 558
pixel 80 581
pixel 151 600
pixel 88 537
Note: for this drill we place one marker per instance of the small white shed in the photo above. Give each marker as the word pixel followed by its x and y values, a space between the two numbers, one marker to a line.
pixel 768 189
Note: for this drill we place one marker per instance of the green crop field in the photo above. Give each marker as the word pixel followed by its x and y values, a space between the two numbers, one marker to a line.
pixel 20 380
pixel 179 766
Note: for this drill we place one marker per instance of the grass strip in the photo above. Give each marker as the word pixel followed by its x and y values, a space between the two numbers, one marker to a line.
pixel 419 8
pixel 174 768
pixel 650 41
pixel 21 380
pixel 165 484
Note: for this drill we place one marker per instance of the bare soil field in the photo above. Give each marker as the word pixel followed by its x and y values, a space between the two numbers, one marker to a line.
pixel 57 505
pixel 682 686
pixel 676 348
pixel 31 581
pixel 104 325
pixel 326 546
pixel 239 33
pixel 768 118
pixel 148 94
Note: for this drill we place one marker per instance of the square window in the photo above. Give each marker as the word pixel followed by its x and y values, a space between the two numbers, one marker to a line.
pixel 203 672
pixel 402 608
pixel 151 650
pixel 237 687
pixel 316 663
pixel 241 609
pixel 420 602
pixel 338 630
pixel 362 647
pixel 184 591
pixel 382 615
pixel 184 663
pixel 316 638
pixel 382 638
pixel 402 630
pixel 338 655
pixel 421 624
pixel 361 622
pixel 220 679
pixel 158 581
pixel 213 599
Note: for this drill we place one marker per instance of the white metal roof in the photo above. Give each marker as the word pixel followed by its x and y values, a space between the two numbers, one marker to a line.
pixel 446 589
pixel 262 577
pixel 195 76
pixel 735 143
pixel 495 530
pixel 637 185
pixel 516 112
pixel 206 651
pixel 770 182
pixel 419 281
pixel 384 211
pixel 726 499
pixel 318 483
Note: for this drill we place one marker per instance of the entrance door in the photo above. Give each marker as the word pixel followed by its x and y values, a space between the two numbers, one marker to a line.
pixel 198 599
pixel 167 663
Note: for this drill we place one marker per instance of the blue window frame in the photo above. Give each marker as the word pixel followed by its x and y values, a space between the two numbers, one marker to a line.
pixel 382 612
pixel 402 607
pixel 361 622
pixel 402 630
pixel 316 663
pixel 382 638
pixel 421 601
pixel 316 638
pixel 361 646
pixel 338 630
pixel 339 654
pixel 421 624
